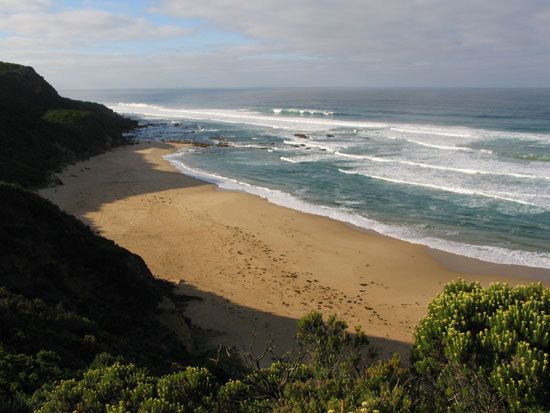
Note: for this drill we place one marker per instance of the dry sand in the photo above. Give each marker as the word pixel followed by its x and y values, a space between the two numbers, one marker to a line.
pixel 257 266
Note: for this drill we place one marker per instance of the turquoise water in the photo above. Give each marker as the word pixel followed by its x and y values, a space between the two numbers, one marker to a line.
pixel 463 170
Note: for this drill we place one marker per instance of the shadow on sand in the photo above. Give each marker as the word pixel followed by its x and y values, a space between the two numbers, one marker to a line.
pixel 228 323
pixel 251 330
pixel 101 178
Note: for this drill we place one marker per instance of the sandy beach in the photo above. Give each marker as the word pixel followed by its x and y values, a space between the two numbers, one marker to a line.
pixel 258 267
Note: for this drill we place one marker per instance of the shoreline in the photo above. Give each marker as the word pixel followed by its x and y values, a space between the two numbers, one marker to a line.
pixel 471 265
pixel 259 266
pixel 450 259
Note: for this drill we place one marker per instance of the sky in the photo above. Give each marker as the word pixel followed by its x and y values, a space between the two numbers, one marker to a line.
pixel 87 44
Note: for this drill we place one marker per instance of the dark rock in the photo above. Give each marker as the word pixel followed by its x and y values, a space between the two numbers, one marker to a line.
pixel 201 144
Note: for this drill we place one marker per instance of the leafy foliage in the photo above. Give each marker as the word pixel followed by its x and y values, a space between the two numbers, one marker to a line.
pixel 441 379
pixel 8 67
pixel 67 295
pixel 42 131
pixel 486 349
pixel 295 383
pixel 128 388
pixel 332 349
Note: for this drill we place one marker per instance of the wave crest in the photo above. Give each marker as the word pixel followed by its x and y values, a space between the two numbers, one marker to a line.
pixel 482 252
pixel 279 111
pixel 455 190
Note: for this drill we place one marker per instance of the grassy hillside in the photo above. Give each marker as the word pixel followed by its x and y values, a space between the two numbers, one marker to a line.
pixel 42 131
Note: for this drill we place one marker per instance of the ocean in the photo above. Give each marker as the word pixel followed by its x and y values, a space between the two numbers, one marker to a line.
pixel 462 170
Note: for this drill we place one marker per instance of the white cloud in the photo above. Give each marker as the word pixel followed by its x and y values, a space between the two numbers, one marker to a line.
pixel 80 28
pixel 389 29
pixel 293 43
pixel 17 6
pixel 245 66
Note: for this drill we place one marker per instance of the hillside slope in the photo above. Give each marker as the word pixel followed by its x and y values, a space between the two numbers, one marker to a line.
pixel 68 295
pixel 42 131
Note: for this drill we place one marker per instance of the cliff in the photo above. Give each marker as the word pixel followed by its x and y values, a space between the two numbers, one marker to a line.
pixel 42 131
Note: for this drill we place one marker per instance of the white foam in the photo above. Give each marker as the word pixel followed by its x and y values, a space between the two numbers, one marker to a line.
pixel 486 253
pixel 443 147
pixel 464 134
pixel 463 191
pixel 247 145
pixel 324 145
pixel 311 144
pixel 303 159
pixel 290 160
pixel 410 132
pixel 278 111
pixel 438 167
pixel 240 116
pixel 431 131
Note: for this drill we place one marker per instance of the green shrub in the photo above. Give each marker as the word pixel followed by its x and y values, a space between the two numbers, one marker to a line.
pixel 234 396
pixel 67 117
pixel 192 388
pixel 330 348
pixel 42 131
pixel 485 349
pixel 101 387
pixel 67 290
pixel 128 388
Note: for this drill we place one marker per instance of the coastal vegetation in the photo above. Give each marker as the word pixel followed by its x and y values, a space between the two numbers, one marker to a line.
pixel 478 349
pixel 67 295
pixel 86 327
pixel 42 131
pixel 487 347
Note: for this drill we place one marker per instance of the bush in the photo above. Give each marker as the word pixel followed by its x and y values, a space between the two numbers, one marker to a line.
pixel 330 348
pixel 128 388
pixel 302 382
pixel 479 349
pixel 234 396
pixel 42 131
pixel 101 387
pixel 192 388
pixel 65 289
pixel 68 295
pixel 485 349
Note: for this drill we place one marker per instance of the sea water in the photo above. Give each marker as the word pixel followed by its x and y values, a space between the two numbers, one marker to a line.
pixel 462 170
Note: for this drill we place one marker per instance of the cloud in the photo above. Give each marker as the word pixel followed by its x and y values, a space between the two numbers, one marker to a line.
pixel 17 6
pixel 34 27
pixel 390 29
pixel 284 42
pixel 245 66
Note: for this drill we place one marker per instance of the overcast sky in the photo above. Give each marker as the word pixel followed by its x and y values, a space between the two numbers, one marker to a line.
pixel 234 43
